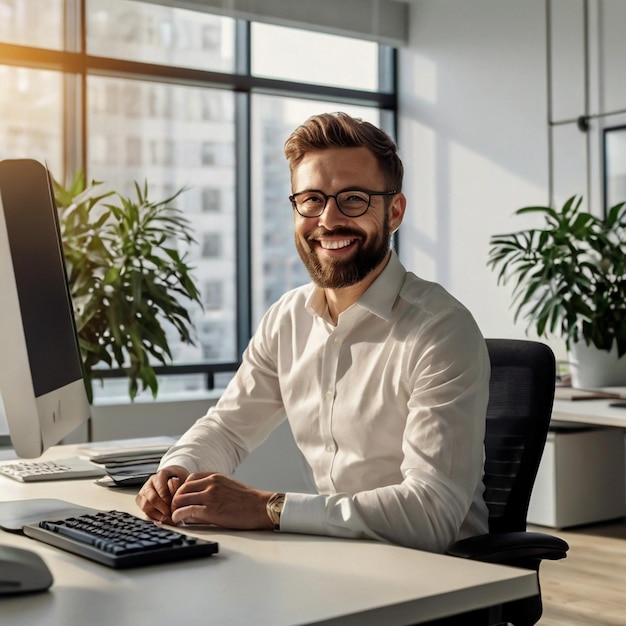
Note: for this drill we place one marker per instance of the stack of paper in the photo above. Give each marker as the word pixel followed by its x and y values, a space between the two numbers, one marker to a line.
pixel 127 463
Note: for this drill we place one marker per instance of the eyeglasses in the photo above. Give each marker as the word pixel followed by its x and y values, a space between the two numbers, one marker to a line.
pixel 351 202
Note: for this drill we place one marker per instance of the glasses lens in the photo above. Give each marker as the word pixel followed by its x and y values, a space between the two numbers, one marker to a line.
pixel 353 202
pixel 310 203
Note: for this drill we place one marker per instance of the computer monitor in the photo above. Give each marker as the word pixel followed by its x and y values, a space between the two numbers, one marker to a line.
pixel 41 372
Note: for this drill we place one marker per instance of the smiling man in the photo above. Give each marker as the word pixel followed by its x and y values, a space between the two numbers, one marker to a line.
pixel 382 376
pixel 344 247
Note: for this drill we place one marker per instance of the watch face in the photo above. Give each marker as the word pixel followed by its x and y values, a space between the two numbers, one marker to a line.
pixel 275 508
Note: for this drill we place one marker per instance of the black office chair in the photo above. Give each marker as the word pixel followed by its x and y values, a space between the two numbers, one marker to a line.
pixel 521 393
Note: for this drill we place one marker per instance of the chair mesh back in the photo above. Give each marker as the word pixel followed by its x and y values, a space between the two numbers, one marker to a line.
pixel 521 392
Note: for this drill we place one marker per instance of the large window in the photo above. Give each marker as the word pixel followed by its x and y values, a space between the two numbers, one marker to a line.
pixel 140 31
pixel 180 98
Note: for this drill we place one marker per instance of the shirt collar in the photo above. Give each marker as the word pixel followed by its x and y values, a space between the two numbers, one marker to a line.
pixel 379 298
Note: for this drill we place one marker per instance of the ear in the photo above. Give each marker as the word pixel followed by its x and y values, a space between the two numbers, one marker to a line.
pixel 396 211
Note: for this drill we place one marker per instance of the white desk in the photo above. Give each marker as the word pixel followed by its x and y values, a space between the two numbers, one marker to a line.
pixel 592 412
pixel 570 493
pixel 258 578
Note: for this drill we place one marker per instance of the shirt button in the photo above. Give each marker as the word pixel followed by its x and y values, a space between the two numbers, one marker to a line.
pixel 330 447
pixel 337 341
pixel 328 395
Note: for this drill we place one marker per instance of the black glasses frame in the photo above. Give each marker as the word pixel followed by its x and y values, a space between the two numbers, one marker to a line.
pixel 326 196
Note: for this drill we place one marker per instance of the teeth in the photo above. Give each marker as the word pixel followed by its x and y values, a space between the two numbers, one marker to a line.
pixel 334 244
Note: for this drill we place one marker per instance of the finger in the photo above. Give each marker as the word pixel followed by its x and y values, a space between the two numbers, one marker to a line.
pixel 192 514
pixel 198 482
pixel 163 488
pixel 154 513
pixel 173 484
pixel 151 511
pixel 150 501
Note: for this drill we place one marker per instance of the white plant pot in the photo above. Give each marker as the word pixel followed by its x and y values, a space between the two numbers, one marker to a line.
pixel 591 368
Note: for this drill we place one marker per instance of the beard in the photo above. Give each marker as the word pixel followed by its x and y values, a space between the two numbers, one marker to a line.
pixel 344 273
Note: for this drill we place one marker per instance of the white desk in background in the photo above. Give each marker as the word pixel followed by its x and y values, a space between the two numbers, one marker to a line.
pixel 582 475
pixel 258 578
pixel 597 412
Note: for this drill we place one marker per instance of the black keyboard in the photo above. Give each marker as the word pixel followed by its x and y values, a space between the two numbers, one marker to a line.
pixel 119 539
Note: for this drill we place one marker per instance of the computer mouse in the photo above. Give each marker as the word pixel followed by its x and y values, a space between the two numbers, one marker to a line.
pixel 22 571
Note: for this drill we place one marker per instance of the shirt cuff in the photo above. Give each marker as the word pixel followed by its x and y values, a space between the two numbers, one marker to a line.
pixel 304 513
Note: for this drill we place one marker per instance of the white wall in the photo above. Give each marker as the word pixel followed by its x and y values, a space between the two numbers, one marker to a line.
pixel 485 128
pixel 472 133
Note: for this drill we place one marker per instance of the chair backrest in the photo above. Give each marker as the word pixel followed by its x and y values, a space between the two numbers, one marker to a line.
pixel 521 393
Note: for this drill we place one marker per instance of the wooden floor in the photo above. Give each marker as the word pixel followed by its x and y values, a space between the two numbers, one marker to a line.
pixel 588 588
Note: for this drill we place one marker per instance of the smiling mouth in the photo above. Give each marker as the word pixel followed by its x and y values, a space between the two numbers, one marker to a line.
pixel 335 244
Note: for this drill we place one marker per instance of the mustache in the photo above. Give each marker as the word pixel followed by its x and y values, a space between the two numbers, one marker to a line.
pixel 340 231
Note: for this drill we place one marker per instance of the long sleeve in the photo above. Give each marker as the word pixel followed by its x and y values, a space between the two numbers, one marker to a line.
pixel 250 408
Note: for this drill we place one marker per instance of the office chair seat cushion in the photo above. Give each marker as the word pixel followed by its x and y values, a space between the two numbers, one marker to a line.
pixel 510 547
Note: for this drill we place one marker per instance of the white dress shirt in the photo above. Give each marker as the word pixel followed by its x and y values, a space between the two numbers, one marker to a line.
pixel 388 408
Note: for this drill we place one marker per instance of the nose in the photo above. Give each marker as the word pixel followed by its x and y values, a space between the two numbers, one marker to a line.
pixel 331 215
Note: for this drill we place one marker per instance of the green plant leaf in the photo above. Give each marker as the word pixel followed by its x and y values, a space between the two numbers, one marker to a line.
pixel 125 282
pixel 570 276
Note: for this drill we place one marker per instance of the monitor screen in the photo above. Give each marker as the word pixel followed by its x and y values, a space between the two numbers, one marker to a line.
pixel 41 377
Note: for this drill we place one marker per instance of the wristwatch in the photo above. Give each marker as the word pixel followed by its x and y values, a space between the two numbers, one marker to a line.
pixel 274 508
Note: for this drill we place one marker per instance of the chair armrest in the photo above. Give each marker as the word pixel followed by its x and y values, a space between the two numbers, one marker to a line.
pixel 510 548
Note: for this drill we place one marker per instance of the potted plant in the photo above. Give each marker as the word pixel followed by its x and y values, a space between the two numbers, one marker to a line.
pixel 570 281
pixel 127 278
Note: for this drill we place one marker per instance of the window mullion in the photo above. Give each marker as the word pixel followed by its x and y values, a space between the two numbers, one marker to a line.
pixel 243 213
pixel 243 208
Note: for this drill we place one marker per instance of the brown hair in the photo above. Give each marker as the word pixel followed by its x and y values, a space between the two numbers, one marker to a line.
pixel 340 130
